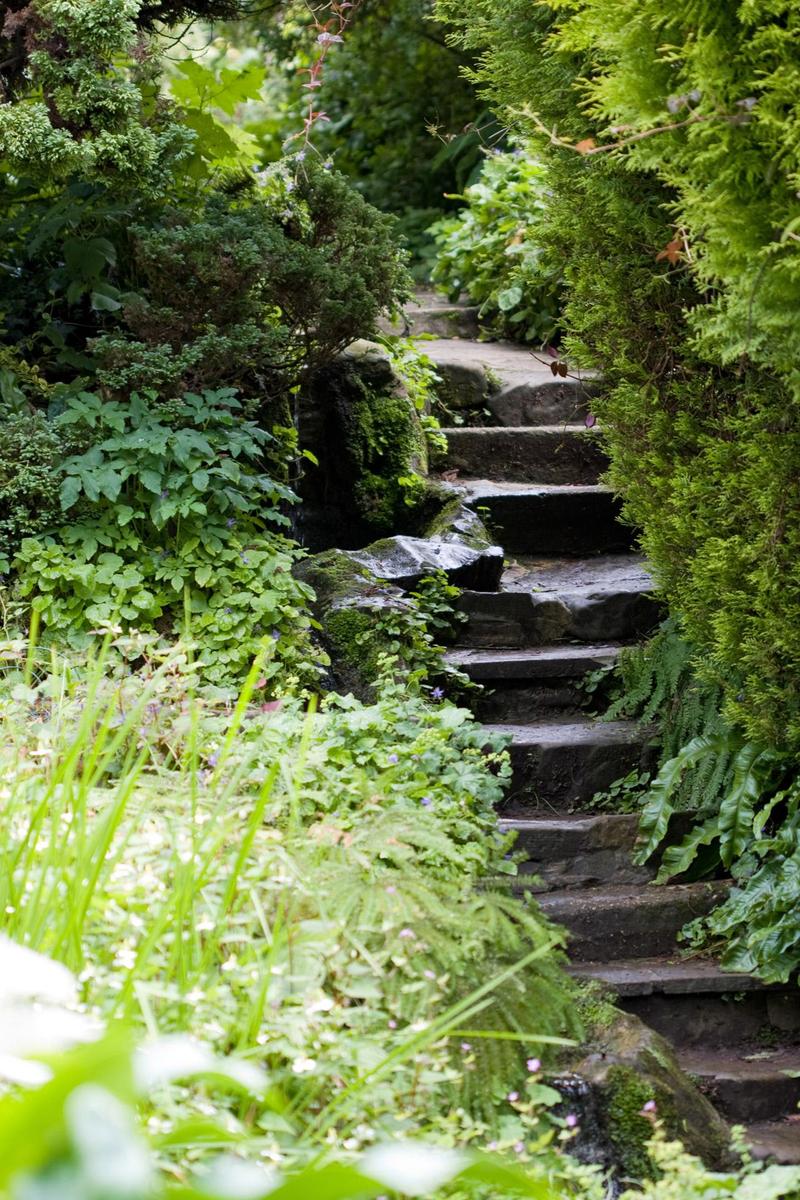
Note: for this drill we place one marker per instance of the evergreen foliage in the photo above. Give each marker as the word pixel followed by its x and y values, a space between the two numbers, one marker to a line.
pixel 672 157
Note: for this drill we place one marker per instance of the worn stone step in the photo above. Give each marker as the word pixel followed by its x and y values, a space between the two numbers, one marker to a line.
pixel 548 454
pixel 613 923
pixel 693 1002
pixel 560 765
pixel 553 518
pixel 577 851
pixel 746 1084
pixel 431 313
pixel 776 1141
pixel 498 383
pixel 607 598
pixel 526 685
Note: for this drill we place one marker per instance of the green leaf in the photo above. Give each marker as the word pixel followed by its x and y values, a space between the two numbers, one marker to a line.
pixel 509 298
pixel 69 492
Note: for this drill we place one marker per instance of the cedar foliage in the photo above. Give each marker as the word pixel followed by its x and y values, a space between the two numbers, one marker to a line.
pixel 681 266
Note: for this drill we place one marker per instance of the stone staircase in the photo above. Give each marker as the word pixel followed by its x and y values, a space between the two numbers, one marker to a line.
pixel 573 592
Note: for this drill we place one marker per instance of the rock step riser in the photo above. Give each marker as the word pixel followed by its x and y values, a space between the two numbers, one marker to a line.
pixel 556 456
pixel 745 1099
pixel 578 853
pixel 571 521
pixel 516 620
pixel 719 1019
pixel 598 869
pixel 566 775
pixel 636 923
pixel 519 703
pixel 548 403
pixel 435 320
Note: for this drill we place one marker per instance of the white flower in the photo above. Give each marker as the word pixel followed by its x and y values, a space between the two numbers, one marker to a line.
pixel 303 1066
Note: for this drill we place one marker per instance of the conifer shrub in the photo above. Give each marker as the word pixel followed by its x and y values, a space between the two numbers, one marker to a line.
pixel 672 154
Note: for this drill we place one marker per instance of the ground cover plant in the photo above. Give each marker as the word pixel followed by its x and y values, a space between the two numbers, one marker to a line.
pixel 297 887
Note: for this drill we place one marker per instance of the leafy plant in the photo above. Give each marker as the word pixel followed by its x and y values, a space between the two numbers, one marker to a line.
pixel 169 518
pixel 491 249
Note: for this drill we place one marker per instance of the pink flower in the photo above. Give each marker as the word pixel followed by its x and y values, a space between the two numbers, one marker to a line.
pixel 513 1097
pixel 533 1065
pixel 406 933
pixel 571 1120
pixel 650 1106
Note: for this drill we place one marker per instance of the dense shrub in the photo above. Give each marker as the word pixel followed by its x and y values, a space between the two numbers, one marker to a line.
pixel 490 250
pixel 678 259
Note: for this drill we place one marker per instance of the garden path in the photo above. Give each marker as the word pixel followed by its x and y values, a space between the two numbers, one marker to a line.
pixel 573 593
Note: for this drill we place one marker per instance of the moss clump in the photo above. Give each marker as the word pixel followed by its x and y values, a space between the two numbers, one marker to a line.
pixel 628 1130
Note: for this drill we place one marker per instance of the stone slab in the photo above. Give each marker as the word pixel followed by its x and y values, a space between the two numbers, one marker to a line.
pixel 546 600
pixel 627 922
pixel 550 454
pixel 546 662
pixel 668 976
pixel 551 518
pixel 746 1084
pixel 403 561
pixel 562 764
pixel 778 1141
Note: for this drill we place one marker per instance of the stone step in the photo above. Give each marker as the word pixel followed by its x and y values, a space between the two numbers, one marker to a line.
pixel 694 1003
pixel 432 314
pixel 544 600
pixel 548 454
pixel 577 851
pixel 777 1141
pixel 532 518
pixel 497 383
pixel 613 923
pixel 746 1084
pixel 526 685
pixel 560 765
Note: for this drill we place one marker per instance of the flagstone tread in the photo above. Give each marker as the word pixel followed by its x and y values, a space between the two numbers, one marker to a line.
pixel 567 576
pixel 668 976
pixel 540 662
pixel 572 732
pixel 778 1141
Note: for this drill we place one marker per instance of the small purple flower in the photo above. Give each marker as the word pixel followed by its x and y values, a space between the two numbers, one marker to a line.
pixel 649 1107
pixel 571 1120
pixel 466 1047
pixel 513 1097
pixel 245 559
pixel 437 694
pixel 276 635
pixel 406 933
pixel 519 1147
pixel 491 1145
pixel 301 156
pixel 533 1065
pixel 392 1024
pixel 329 39
pixel 393 758
pixel 429 974
pixel 231 522
pixel 426 802
pixel 164 494
pixel 212 760
pixel 391 889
